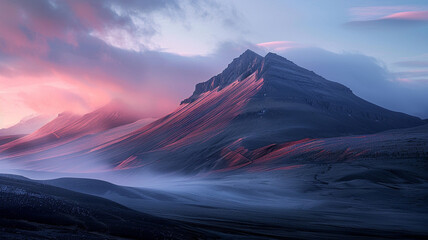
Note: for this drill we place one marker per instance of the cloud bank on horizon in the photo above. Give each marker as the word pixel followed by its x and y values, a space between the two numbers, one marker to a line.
pixel 64 55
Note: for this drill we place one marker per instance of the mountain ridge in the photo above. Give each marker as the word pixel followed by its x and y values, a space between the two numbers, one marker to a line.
pixel 276 102
pixel 68 126
pixel 256 102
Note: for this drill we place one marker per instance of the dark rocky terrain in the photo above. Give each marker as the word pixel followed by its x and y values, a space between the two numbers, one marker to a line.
pixel 31 210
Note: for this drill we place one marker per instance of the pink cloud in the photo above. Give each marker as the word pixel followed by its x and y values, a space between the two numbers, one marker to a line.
pixel 44 45
pixel 41 98
pixel 278 46
pixel 85 13
pixel 387 15
pixel 413 81
pixel 412 16
pixel 376 12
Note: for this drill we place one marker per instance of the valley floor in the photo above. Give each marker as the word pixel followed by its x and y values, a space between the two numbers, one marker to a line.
pixel 322 201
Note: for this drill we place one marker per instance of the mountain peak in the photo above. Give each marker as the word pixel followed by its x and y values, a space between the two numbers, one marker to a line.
pixel 249 53
pixel 272 67
pixel 245 61
pixel 240 68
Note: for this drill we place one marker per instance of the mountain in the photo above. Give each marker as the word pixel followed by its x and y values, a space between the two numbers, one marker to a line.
pixel 254 102
pixel 270 150
pixel 26 125
pixel 68 126
pixel 296 103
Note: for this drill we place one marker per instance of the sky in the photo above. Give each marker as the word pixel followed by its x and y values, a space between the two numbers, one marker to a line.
pixel 75 55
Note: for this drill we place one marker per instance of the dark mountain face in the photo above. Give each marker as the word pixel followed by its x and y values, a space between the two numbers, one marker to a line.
pixel 295 103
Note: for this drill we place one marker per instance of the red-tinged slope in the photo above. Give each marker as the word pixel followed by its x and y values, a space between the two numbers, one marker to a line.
pixel 62 121
pixel 406 146
pixel 69 156
pixel 41 137
pixel 196 123
pixel 68 126
pixel 191 124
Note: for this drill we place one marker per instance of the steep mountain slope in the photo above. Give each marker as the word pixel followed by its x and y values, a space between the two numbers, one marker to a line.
pixel 69 126
pixel 42 136
pixel 56 155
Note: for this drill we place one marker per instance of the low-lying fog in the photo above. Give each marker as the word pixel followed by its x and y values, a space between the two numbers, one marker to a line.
pixel 318 197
